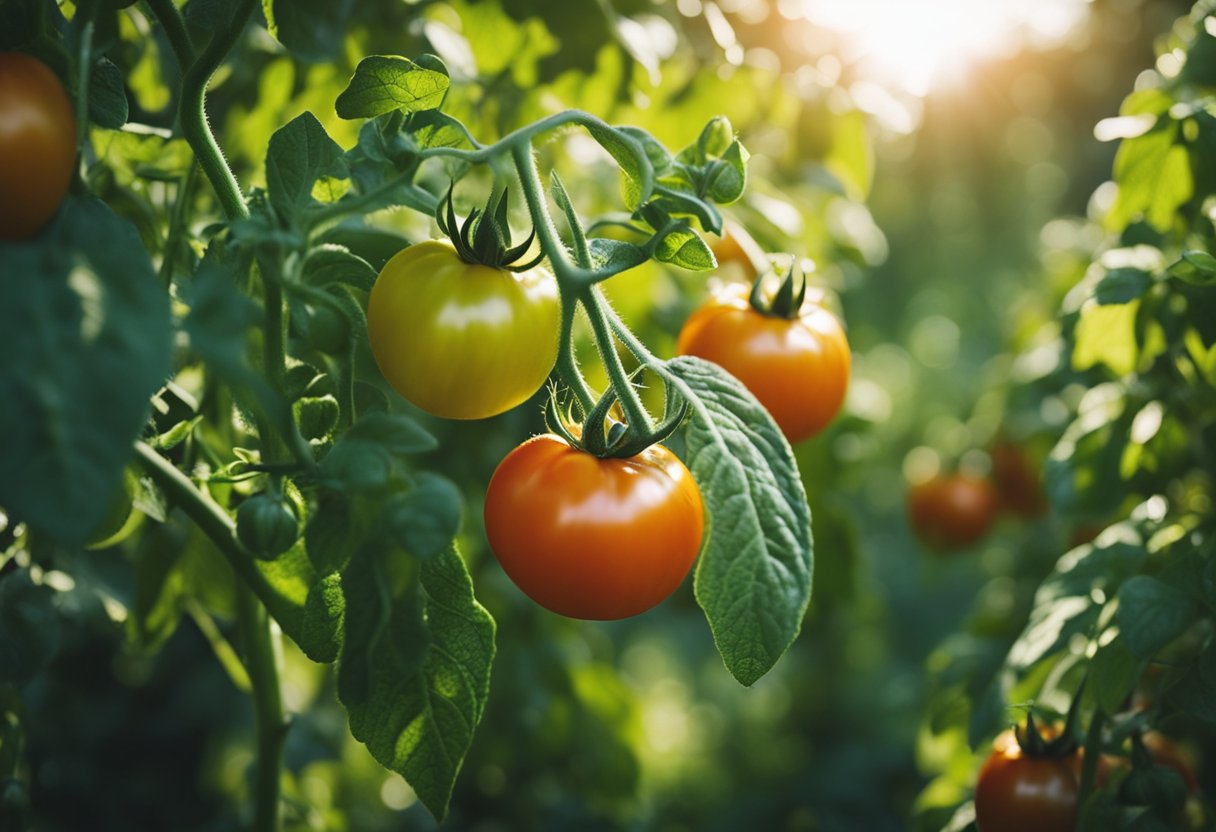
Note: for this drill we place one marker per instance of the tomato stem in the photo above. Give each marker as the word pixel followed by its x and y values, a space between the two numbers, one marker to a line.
pixel 193 113
pixel 174 24
pixel 595 304
pixel 1093 754
pixel 264 658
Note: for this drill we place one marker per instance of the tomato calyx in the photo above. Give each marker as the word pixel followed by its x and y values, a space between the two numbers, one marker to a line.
pixel 604 436
pixel 786 302
pixel 1037 743
pixel 485 235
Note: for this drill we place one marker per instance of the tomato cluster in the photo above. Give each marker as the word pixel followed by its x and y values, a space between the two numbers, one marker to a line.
pixel 37 145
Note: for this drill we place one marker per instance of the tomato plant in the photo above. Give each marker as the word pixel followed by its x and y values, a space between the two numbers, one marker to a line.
pixel 37 144
pixel 593 538
pixel 795 361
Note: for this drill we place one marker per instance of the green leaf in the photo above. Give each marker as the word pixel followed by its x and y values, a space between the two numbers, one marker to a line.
pixel 1152 614
pixel 85 335
pixel 1107 335
pixel 1195 267
pixel 107 95
pixel 311 29
pixel 159 587
pixel 29 628
pixel 1154 178
pixel 300 153
pixel 1122 285
pixel 329 264
pixel 1113 673
pixel 851 159
pixel 316 416
pixel 634 162
pixel 729 175
pixel 415 669
pixel 320 634
pixel 685 248
pixel 1195 691
pixel 753 579
pixel 425 518
pixel 328 537
pixel 383 83
pixel 365 458
pixel 611 257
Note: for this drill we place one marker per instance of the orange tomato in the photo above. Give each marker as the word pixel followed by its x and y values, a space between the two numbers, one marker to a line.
pixel 593 538
pixel 952 511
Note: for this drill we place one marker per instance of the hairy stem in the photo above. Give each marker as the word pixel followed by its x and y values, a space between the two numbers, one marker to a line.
pixel 193 113
pixel 593 301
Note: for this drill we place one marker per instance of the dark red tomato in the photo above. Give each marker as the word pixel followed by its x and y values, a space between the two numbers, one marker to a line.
pixel 1018 793
pixel 952 511
pixel 798 368
pixel 1017 481
pixel 37 145
pixel 593 538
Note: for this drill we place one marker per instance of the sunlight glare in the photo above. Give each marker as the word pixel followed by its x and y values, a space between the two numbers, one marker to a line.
pixel 922 44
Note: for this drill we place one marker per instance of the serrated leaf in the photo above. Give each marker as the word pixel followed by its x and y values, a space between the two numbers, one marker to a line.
pixel 300 153
pixel 85 335
pixel 753 579
pixel 1151 614
pixel 614 256
pixel 415 674
pixel 1195 267
pixel 383 83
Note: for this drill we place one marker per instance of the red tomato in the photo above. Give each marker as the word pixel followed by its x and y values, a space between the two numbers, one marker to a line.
pixel 1018 793
pixel 952 511
pixel 798 368
pixel 1017 481
pixel 37 145
pixel 593 538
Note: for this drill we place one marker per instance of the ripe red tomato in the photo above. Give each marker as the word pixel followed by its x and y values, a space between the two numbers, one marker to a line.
pixel 952 511
pixel 798 368
pixel 1017 793
pixel 37 145
pixel 593 538
pixel 1017 481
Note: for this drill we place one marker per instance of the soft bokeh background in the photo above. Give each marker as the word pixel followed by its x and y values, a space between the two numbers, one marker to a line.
pixel 923 153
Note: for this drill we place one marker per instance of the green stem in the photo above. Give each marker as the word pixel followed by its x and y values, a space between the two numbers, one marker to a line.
pixel 1089 766
pixel 175 30
pixel 212 520
pixel 193 113
pixel 570 278
pixel 635 413
pixel 177 221
pixel 273 351
pixel 82 90
pixel 264 659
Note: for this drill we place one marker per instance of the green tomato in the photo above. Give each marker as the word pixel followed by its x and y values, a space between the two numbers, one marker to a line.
pixel 266 525
pixel 462 340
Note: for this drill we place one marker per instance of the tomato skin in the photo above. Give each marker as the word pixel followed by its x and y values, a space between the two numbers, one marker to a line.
pixel 1017 481
pixel 798 369
pixel 952 511
pixel 599 539
pixel 37 145
pixel 1016 793
pixel 461 340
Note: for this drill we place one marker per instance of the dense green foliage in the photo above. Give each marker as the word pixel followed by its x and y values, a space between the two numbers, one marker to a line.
pixel 244 583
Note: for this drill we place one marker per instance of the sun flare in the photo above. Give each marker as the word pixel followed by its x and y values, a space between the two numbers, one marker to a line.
pixel 922 44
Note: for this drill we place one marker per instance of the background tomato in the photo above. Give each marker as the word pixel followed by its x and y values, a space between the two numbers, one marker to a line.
pixel 952 511
pixel 593 538
pixel 798 369
pixel 738 255
pixel 37 144
pixel 1016 792
pixel 1017 481
pixel 461 340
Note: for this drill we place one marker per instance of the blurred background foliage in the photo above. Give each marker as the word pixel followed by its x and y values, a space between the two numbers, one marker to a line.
pixel 937 164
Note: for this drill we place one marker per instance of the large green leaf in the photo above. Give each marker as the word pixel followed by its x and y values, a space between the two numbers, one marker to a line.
pixel 383 83
pixel 754 577
pixel 300 153
pixel 85 335
pixel 311 29
pixel 415 669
